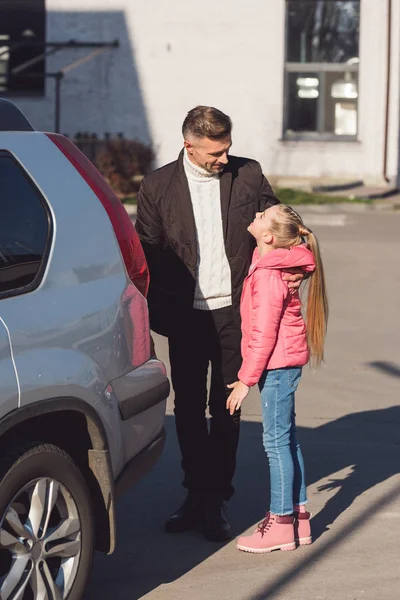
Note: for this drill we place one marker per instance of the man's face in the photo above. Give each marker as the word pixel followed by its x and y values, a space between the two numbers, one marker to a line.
pixel 211 155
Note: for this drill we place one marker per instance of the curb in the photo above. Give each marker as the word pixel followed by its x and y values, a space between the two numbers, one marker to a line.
pixel 349 207
pixel 334 208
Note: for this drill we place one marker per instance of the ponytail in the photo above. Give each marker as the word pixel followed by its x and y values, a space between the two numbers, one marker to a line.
pixel 317 302
pixel 289 230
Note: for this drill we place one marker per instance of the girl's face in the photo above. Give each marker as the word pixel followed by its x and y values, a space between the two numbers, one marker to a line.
pixel 261 226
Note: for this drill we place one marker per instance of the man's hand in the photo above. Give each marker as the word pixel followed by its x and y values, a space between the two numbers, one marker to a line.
pixel 294 277
pixel 240 391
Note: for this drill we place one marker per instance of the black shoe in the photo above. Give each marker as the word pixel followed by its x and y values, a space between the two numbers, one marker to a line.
pixel 216 526
pixel 187 517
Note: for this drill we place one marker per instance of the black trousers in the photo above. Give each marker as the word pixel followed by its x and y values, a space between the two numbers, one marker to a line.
pixel 208 454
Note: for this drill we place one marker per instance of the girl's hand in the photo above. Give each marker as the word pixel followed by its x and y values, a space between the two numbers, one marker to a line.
pixel 240 391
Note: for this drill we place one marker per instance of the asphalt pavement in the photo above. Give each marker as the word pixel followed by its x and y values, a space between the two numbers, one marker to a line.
pixel 348 416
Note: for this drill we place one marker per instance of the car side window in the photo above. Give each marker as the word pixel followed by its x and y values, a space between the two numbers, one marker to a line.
pixel 24 229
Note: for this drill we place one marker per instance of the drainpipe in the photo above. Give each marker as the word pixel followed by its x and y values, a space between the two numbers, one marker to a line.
pixel 389 52
pixel 398 149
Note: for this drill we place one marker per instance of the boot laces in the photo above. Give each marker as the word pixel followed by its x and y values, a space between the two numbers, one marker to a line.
pixel 265 524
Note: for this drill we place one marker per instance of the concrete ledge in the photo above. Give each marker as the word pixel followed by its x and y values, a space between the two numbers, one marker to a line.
pixel 363 192
pixel 382 194
pixel 350 207
pixel 350 185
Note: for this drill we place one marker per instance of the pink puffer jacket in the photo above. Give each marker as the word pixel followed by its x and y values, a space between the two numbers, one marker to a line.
pixel 273 329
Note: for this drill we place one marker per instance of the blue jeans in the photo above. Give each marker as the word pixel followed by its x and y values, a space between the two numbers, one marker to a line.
pixel 286 465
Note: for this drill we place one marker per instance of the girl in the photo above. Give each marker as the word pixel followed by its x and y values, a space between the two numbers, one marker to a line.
pixel 275 347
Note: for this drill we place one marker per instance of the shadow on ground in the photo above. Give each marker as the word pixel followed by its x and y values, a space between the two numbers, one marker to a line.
pixel 385 367
pixel 366 444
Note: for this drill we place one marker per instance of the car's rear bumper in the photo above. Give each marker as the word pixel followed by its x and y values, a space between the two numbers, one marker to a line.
pixel 142 388
pixel 140 464
pixel 139 402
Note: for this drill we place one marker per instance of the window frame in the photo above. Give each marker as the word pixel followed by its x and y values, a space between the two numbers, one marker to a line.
pixel 33 72
pixel 37 280
pixel 320 70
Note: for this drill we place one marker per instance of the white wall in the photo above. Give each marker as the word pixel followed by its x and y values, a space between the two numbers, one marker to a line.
pixel 229 54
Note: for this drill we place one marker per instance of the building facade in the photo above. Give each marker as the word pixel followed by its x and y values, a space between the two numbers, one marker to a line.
pixel 312 86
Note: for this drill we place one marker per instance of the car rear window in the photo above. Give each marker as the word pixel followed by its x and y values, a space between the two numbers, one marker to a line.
pixel 25 226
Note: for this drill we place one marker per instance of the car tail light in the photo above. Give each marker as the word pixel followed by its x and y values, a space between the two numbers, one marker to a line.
pixel 128 240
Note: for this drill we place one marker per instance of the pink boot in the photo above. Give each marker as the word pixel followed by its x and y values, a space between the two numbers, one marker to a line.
pixel 274 533
pixel 302 528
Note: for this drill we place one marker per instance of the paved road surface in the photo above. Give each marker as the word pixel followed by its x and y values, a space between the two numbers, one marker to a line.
pixel 349 424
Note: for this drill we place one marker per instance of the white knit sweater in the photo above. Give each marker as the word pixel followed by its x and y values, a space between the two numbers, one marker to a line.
pixel 213 274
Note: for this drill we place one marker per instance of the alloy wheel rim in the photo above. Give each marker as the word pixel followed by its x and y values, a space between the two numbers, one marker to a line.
pixel 40 543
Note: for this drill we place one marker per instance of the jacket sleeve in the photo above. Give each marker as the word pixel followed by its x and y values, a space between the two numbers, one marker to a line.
pixel 266 196
pixel 148 221
pixel 150 229
pixel 151 233
pixel 268 295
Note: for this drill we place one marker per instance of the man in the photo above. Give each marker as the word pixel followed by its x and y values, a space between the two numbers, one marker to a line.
pixel 192 220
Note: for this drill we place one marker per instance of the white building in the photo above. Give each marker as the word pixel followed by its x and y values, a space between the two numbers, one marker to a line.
pixel 312 86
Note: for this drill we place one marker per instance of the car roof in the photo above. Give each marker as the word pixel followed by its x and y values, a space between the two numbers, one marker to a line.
pixel 12 118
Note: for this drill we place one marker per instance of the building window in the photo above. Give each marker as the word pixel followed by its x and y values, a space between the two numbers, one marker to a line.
pixel 321 69
pixel 22 35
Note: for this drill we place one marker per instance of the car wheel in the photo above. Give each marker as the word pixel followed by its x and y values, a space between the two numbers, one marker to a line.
pixel 46 526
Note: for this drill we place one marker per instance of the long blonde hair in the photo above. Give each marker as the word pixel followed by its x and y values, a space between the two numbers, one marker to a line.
pixel 288 230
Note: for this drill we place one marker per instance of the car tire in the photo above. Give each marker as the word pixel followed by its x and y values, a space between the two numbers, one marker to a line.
pixel 46 523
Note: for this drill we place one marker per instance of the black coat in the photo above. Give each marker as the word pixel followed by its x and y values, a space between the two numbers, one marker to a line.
pixel 166 227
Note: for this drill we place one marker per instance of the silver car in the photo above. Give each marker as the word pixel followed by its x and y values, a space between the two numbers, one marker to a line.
pixel 82 395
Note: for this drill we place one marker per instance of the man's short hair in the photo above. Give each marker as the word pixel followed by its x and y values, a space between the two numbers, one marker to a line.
pixel 207 121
